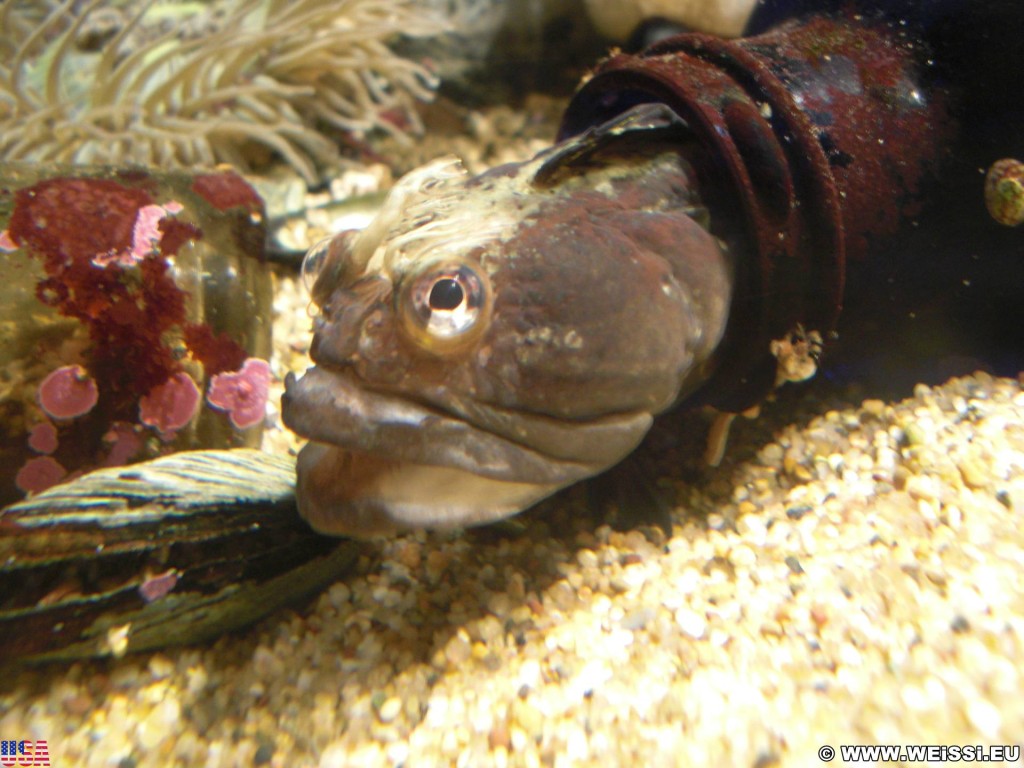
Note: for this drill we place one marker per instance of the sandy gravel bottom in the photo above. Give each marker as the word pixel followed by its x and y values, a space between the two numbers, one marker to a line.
pixel 852 573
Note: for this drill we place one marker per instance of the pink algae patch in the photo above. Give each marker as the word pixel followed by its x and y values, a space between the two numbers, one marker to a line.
pixel 43 438
pixel 243 393
pixel 146 236
pixel 7 243
pixel 68 392
pixel 155 587
pixel 38 474
pixel 170 406
pixel 124 441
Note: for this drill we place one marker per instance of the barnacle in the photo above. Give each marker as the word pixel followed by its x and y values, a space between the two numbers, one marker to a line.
pixel 181 84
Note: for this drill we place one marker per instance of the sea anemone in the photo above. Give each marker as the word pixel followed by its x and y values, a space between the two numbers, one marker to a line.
pixel 190 84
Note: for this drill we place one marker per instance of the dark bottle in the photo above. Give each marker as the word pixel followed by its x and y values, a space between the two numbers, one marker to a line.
pixel 843 159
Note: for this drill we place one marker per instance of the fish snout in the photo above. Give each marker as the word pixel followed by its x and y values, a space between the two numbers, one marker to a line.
pixel 350 324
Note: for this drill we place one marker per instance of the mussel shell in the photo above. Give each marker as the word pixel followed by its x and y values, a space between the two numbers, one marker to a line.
pixel 177 550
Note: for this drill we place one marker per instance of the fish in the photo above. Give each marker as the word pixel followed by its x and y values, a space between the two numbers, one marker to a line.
pixel 692 239
pixel 472 359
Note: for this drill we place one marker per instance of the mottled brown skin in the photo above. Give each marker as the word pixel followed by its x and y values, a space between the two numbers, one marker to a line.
pixel 605 300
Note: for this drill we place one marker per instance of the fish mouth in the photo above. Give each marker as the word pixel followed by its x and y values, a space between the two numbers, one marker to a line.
pixel 381 462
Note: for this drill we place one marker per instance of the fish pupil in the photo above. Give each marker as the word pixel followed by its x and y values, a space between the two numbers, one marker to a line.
pixel 446 294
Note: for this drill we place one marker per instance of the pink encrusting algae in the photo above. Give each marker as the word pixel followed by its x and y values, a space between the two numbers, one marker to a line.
pixel 7 244
pixel 124 441
pixel 146 236
pixel 242 393
pixel 160 585
pixel 170 406
pixel 43 438
pixel 68 392
pixel 39 473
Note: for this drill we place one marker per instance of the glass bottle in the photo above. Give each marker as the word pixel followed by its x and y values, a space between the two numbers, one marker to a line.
pixel 135 318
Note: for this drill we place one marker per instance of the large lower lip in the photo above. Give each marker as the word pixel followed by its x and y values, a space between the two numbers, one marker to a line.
pixel 347 493
pixel 331 407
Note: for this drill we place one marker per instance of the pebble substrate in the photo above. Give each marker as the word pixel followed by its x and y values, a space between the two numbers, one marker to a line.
pixel 849 575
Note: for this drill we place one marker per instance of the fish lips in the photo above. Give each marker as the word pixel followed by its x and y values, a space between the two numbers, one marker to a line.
pixel 523 457
pixel 334 407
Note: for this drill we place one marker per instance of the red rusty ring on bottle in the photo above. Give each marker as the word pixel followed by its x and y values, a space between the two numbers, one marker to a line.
pixel 778 176
pixel 813 227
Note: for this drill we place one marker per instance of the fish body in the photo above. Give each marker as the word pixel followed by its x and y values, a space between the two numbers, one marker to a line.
pixel 692 239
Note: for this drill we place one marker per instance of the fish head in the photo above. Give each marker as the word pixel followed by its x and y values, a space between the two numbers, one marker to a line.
pixel 488 340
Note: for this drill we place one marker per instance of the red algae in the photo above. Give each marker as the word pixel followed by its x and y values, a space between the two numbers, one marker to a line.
pixel 225 191
pixel 217 353
pixel 48 218
pixel 89 276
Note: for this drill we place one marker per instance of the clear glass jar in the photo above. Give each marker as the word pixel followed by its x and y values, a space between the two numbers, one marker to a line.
pixel 135 318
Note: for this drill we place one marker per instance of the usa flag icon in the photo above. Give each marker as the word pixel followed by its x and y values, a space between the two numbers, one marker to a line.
pixel 23 753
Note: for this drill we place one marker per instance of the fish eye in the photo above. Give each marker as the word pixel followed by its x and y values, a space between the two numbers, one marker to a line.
pixel 445 308
pixel 445 295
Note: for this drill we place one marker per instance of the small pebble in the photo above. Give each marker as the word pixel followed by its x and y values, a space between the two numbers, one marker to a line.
pixel 389 710
pixel 691 623
pixel 874 407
